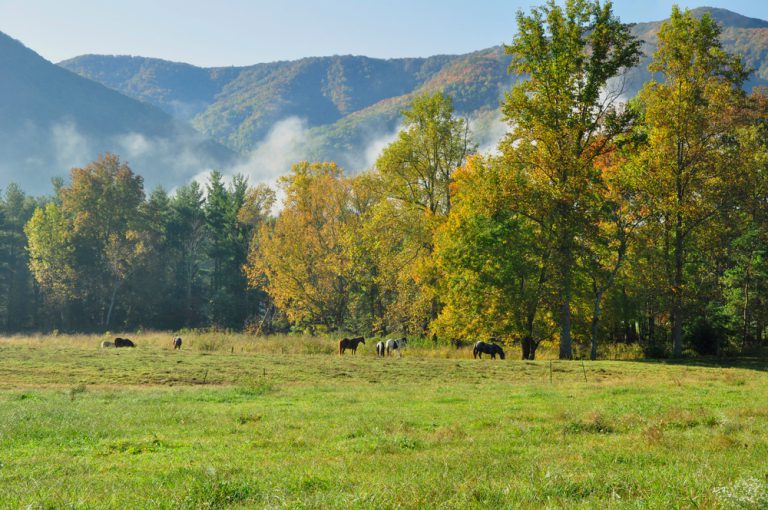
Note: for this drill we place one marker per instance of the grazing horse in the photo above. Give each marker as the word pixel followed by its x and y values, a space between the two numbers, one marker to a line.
pixel 107 345
pixel 350 343
pixel 380 349
pixel 484 348
pixel 395 344
pixel 177 343
pixel 123 342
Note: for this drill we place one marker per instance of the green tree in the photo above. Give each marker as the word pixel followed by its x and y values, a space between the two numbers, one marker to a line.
pixel 495 274
pixel 416 173
pixel 52 255
pixel 92 244
pixel 187 233
pixel 690 116
pixel 563 117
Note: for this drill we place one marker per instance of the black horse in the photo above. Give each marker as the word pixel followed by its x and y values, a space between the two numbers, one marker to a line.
pixel 177 343
pixel 123 342
pixel 351 344
pixel 484 348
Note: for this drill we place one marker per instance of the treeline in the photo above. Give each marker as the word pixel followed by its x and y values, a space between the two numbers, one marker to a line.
pixel 105 256
pixel 597 220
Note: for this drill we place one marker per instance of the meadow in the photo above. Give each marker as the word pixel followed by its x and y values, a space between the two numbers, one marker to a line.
pixel 233 421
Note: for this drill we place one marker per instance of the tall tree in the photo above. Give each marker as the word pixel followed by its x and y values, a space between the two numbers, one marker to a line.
pixel 495 275
pixel 416 172
pixel 690 116
pixel 563 117
pixel 91 245
pixel 187 232
pixel 302 260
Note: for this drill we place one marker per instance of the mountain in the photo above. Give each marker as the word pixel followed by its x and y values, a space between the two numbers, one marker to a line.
pixel 172 121
pixel 344 101
pixel 345 108
pixel 52 119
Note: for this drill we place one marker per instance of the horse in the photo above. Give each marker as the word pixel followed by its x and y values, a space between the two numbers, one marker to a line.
pixel 380 349
pixel 177 343
pixel 107 345
pixel 350 343
pixel 395 344
pixel 123 342
pixel 484 348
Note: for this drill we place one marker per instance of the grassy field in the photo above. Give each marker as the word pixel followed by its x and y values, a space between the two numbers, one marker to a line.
pixel 237 422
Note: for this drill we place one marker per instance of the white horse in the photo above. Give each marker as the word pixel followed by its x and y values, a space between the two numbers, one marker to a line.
pixel 106 344
pixel 380 349
pixel 395 344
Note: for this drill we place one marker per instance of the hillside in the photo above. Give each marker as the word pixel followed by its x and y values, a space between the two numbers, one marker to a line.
pixel 344 100
pixel 52 119
pixel 350 105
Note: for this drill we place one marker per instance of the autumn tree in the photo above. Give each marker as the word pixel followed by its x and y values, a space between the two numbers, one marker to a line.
pixel 416 173
pixel 563 117
pixel 89 246
pixel 691 112
pixel 51 255
pixel 495 274
pixel 302 260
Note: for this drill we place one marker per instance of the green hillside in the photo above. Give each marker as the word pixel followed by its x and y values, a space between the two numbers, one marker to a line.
pixel 350 103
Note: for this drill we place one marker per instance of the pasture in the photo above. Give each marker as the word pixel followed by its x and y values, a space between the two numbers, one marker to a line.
pixel 235 422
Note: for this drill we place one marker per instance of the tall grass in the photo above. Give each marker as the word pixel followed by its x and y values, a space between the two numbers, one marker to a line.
pixel 295 344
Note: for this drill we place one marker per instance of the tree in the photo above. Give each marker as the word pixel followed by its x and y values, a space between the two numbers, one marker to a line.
pixel 52 254
pixel 416 172
pixel 302 260
pixel 690 118
pixel 18 292
pixel 417 168
pixel 495 276
pixel 187 232
pixel 91 245
pixel 562 118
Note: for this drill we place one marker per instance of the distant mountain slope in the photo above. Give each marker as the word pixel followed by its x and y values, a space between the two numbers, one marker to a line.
pixel 350 103
pixel 52 119
pixel 244 103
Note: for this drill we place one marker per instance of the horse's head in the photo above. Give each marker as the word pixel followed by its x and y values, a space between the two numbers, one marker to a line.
pixel 501 353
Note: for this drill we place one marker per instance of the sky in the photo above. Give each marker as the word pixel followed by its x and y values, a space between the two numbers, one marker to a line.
pixel 241 32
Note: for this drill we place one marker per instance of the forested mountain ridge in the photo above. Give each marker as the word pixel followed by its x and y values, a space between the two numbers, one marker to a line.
pixel 52 119
pixel 334 95
pixel 349 101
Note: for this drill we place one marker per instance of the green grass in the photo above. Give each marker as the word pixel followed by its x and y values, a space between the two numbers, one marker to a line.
pixel 278 427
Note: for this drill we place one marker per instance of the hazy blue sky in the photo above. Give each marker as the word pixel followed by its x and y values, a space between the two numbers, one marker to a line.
pixel 240 32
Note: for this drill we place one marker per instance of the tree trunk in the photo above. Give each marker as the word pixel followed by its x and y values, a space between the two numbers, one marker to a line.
pixel 745 316
pixel 565 255
pixel 677 291
pixel 111 306
pixel 595 323
pixel 526 347
pixel 566 348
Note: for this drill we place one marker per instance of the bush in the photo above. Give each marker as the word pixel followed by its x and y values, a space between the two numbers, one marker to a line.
pixel 705 336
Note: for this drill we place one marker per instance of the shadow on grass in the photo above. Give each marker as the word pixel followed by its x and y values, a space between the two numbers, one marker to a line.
pixel 757 364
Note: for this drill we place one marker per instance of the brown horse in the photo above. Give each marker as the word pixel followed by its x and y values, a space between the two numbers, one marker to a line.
pixel 350 343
